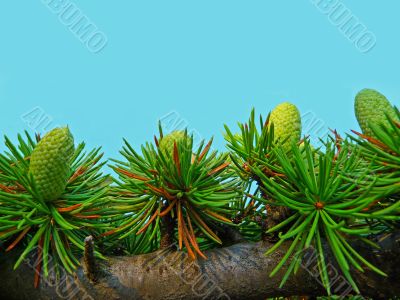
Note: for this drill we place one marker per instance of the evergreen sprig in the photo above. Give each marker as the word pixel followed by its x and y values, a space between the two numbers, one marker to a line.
pixel 188 188
pixel 253 144
pixel 383 151
pixel 56 228
pixel 327 201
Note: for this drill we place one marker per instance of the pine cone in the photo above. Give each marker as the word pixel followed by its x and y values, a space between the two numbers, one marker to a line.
pixel 50 163
pixel 287 124
pixel 167 142
pixel 371 107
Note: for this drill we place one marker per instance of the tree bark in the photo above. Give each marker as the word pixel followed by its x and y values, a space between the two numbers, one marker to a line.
pixel 239 271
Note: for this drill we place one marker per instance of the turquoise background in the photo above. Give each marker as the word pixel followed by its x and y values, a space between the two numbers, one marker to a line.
pixel 209 61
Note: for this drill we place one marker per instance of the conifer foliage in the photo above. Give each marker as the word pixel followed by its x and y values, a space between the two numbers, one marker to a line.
pixel 270 185
pixel 51 198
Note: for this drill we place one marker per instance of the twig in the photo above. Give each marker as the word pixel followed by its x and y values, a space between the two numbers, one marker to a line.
pixel 89 259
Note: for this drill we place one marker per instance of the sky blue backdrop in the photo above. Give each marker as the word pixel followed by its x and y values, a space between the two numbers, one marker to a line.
pixel 209 61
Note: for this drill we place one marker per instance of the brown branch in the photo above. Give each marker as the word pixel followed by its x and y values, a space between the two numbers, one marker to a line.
pixel 239 271
pixel 167 231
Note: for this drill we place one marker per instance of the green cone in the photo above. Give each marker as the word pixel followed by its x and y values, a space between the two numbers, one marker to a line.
pixel 287 124
pixel 166 144
pixel 50 163
pixel 371 108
